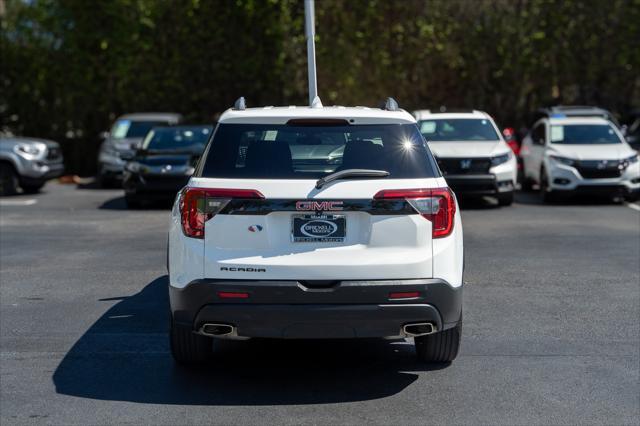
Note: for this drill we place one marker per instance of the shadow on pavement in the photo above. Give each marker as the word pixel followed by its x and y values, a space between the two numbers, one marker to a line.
pixel 119 203
pixel 124 356
pixel 534 198
pixel 477 203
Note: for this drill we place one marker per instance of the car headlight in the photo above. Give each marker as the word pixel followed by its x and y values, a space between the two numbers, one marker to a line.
pixel 30 150
pixel 562 160
pixel 632 159
pixel 500 159
pixel 108 149
pixel 132 167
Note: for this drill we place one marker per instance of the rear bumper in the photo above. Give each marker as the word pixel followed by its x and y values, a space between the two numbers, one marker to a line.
pixel 479 184
pixel 340 309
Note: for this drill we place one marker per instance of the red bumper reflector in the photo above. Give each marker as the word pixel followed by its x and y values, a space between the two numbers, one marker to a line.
pixel 232 295
pixel 404 295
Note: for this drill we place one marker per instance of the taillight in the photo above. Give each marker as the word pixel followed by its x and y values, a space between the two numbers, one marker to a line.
pixel 197 205
pixel 437 205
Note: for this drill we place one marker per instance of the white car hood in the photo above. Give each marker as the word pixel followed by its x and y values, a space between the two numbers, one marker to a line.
pixel 468 149
pixel 592 152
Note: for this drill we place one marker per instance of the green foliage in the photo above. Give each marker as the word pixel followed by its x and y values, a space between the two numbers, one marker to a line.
pixel 68 67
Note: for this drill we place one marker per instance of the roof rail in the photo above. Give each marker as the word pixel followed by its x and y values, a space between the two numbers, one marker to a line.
pixel 240 104
pixel 390 104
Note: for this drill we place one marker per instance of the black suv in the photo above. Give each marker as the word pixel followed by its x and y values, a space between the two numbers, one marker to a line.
pixel 164 163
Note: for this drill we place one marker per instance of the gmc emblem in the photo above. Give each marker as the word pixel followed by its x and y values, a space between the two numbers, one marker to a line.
pixel 319 205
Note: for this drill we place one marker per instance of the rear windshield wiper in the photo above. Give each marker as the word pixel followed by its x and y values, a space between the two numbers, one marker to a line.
pixel 350 173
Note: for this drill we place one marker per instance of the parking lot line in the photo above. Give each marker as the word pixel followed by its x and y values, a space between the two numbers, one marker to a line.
pixel 29 202
pixel 633 206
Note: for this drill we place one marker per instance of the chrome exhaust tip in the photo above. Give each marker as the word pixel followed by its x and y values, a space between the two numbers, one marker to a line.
pixel 419 329
pixel 217 330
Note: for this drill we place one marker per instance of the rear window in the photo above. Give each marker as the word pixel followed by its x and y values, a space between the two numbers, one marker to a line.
pixel 458 129
pixel 167 138
pixel 584 134
pixel 263 151
pixel 133 129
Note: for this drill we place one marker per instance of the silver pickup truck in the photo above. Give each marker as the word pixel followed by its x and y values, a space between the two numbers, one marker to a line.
pixel 28 163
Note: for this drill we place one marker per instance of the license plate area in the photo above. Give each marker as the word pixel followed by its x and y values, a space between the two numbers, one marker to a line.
pixel 318 228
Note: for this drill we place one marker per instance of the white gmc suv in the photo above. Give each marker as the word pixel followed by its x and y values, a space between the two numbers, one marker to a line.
pixel 470 150
pixel 316 222
pixel 569 154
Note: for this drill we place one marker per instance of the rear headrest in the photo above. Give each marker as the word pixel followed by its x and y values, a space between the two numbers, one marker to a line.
pixel 361 152
pixel 268 158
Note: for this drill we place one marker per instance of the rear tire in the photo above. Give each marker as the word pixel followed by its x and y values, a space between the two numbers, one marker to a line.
pixel 547 195
pixel 505 199
pixel 32 189
pixel 188 348
pixel 132 202
pixel 105 180
pixel 439 347
pixel 526 184
pixel 631 198
pixel 8 179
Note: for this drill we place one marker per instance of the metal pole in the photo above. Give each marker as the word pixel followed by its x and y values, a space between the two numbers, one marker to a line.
pixel 310 30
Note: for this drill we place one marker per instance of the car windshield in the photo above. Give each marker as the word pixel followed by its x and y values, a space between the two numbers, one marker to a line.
pixel 584 134
pixel 133 129
pixel 309 152
pixel 169 138
pixel 458 129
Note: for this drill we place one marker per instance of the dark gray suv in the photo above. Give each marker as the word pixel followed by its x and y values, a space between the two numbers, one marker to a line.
pixel 122 141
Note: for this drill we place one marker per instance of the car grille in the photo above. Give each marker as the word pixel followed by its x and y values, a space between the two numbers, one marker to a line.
pixel 463 166
pixel 53 153
pixel 599 169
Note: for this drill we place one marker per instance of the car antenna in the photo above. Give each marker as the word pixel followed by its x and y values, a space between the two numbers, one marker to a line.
pixel 310 33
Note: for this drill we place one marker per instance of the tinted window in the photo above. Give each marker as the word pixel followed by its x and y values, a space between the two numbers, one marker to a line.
pixel 133 129
pixel 305 152
pixel 472 129
pixel 537 135
pixel 176 137
pixel 584 134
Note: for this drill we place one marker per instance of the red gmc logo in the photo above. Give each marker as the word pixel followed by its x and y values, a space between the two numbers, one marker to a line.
pixel 318 205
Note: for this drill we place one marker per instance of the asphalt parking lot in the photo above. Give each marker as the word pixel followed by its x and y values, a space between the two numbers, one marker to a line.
pixel 551 332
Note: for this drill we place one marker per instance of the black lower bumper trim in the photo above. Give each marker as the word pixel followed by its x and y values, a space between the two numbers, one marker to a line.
pixel 473 184
pixel 289 309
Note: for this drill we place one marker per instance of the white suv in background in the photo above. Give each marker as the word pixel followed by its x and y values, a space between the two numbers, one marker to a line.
pixel 470 150
pixel 314 222
pixel 568 154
